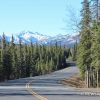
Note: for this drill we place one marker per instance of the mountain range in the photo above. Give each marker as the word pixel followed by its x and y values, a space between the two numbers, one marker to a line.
pixel 28 37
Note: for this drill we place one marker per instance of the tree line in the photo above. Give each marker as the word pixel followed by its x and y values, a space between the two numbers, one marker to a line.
pixel 25 60
pixel 88 55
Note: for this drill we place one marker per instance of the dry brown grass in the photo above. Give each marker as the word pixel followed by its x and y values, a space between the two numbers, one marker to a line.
pixel 74 81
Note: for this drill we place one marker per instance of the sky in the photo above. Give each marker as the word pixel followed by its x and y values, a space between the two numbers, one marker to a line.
pixel 43 16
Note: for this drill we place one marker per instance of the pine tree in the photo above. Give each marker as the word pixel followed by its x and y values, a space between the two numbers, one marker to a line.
pixel 74 52
pixel 1 67
pixel 27 60
pixel 21 63
pixel 13 59
pixel 6 59
pixel 96 39
pixel 84 51
pixel 96 50
pixel 96 10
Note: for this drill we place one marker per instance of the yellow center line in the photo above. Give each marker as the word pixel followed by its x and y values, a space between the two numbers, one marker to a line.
pixel 34 93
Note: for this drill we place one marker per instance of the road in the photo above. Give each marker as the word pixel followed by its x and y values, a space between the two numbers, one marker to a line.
pixel 45 87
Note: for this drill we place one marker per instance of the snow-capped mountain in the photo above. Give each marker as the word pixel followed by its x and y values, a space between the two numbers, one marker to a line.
pixel 67 40
pixel 28 37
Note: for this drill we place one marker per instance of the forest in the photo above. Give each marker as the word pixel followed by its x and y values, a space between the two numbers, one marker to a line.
pixel 26 60
pixel 88 54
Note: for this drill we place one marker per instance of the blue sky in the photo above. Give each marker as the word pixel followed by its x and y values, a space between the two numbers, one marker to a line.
pixel 43 16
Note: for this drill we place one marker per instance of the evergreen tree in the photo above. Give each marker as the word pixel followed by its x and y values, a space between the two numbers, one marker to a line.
pixel 96 10
pixel 1 67
pixel 96 51
pixel 13 59
pixel 84 50
pixel 74 52
pixel 6 59
pixel 23 60
pixel 21 63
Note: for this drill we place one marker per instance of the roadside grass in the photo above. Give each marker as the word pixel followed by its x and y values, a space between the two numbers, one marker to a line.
pixel 74 81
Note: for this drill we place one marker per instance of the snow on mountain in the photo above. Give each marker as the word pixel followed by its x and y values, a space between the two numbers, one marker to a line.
pixel 67 40
pixel 28 37
pixel 32 37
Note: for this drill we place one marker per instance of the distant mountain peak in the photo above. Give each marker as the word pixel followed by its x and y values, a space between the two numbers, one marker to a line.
pixel 35 37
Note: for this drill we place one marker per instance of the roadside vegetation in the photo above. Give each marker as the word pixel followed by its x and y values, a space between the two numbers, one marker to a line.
pixel 74 81
pixel 88 54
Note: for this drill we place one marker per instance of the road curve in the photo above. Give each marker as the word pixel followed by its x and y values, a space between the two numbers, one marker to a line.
pixel 45 87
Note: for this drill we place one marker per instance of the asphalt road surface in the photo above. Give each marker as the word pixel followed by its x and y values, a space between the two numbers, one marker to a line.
pixel 45 87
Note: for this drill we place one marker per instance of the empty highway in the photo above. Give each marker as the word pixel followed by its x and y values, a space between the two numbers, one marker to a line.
pixel 45 87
